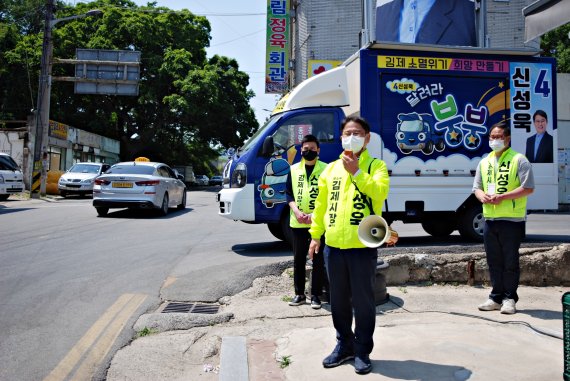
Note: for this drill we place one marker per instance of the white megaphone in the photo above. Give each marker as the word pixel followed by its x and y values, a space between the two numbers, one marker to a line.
pixel 374 231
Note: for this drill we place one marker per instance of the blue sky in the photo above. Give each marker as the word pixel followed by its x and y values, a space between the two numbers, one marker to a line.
pixel 239 37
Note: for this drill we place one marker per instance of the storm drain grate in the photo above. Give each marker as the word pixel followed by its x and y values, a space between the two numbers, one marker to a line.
pixel 191 308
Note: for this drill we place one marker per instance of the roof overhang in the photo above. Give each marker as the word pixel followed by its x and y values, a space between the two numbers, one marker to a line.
pixel 543 16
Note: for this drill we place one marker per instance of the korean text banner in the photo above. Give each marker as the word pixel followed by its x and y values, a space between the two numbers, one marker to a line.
pixel 277 48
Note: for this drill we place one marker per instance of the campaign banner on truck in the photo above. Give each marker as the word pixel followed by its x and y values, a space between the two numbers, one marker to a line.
pixel 437 111
pixel 531 111
pixel 277 47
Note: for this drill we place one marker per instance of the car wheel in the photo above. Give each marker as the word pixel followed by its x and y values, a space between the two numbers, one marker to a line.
pixel 164 207
pixel 4 197
pixel 183 203
pixel 62 194
pixel 101 211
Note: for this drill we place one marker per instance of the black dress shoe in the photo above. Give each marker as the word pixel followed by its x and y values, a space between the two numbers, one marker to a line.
pixel 298 300
pixel 362 364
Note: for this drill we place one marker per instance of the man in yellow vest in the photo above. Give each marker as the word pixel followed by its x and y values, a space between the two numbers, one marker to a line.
pixel 350 189
pixel 502 183
pixel 302 191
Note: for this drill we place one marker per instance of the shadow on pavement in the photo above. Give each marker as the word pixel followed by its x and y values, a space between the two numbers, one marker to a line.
pixel 542 314
pixel 145 213
pixel 263 249
pixel 4 210
pixel 419 370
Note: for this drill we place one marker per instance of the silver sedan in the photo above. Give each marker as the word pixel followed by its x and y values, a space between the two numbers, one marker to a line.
pixel 138 184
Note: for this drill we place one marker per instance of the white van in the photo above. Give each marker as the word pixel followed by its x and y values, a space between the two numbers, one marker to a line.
pixel 11 177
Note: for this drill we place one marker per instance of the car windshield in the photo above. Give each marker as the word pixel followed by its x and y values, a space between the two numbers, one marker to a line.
pixel 130 169
pixel 411 126
pixel 7 163
pixel 85 168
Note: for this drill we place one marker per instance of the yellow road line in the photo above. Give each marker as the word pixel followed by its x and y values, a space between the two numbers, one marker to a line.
pixel 99 351
pixel 70 361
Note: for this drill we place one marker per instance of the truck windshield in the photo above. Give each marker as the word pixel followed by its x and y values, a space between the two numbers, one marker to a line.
pixel 259 133
pixel 411 126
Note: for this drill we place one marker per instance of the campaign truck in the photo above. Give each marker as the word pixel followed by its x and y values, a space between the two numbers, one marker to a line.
pixel 430 109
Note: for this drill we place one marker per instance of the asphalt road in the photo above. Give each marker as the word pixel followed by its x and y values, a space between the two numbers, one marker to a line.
pixel 72 284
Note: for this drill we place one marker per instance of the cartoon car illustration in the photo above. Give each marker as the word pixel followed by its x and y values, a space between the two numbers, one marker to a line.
pixel 415 132
pixel 274 182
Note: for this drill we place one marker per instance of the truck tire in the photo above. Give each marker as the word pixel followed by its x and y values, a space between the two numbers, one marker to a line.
pixel 276 230
pixel 4 197
pixel 470 223
pixel 286 228
pixel 439 227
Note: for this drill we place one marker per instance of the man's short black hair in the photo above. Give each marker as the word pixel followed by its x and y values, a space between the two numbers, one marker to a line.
pixel 503 126
pixel 310 138
pixel 541 113
pixel 356 119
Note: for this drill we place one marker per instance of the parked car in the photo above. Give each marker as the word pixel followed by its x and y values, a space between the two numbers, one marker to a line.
pixel 79 178
pixel 11 177
pixel 138 184
pixel 202 180
pixel 216 180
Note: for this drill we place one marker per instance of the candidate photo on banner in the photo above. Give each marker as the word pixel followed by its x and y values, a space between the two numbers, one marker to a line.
pixel 439 22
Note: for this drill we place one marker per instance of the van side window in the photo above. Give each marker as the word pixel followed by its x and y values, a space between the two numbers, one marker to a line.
pixel 294 129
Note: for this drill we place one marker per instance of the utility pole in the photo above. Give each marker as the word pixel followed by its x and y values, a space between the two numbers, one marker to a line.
pixel 41 154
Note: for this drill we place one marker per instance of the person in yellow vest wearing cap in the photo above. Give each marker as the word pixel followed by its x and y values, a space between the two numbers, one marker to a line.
pixel 302 191
pixel 503 181
pixel 350 189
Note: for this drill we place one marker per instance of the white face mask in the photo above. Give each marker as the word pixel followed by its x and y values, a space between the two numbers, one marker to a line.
pixel 497 145
pixel 353 143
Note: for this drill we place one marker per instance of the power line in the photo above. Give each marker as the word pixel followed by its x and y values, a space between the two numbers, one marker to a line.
pixel 239 38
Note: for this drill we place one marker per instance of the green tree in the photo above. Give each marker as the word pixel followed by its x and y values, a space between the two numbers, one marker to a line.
pixel 186 105
pixel 556 43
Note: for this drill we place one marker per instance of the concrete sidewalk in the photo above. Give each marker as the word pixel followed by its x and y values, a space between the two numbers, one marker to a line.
pixel 428 333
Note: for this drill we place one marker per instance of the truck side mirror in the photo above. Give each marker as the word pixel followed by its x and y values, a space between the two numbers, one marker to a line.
pixel 268 147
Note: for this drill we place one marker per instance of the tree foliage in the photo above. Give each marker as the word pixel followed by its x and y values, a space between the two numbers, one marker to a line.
pixel 187 102
pixel 556 43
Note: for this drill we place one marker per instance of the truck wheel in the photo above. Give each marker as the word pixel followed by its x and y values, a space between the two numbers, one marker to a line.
pixel 276 230
pixel 439 228
pixel 101 211
pixel 286 228
pixel 470 223
pixel 4 197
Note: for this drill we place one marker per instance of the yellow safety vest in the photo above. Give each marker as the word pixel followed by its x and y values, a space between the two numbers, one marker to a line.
pixel 505 179
pixel 305 190
pixel 340 207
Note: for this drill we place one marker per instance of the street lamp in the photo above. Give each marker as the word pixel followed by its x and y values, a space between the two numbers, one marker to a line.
pixel 44 93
